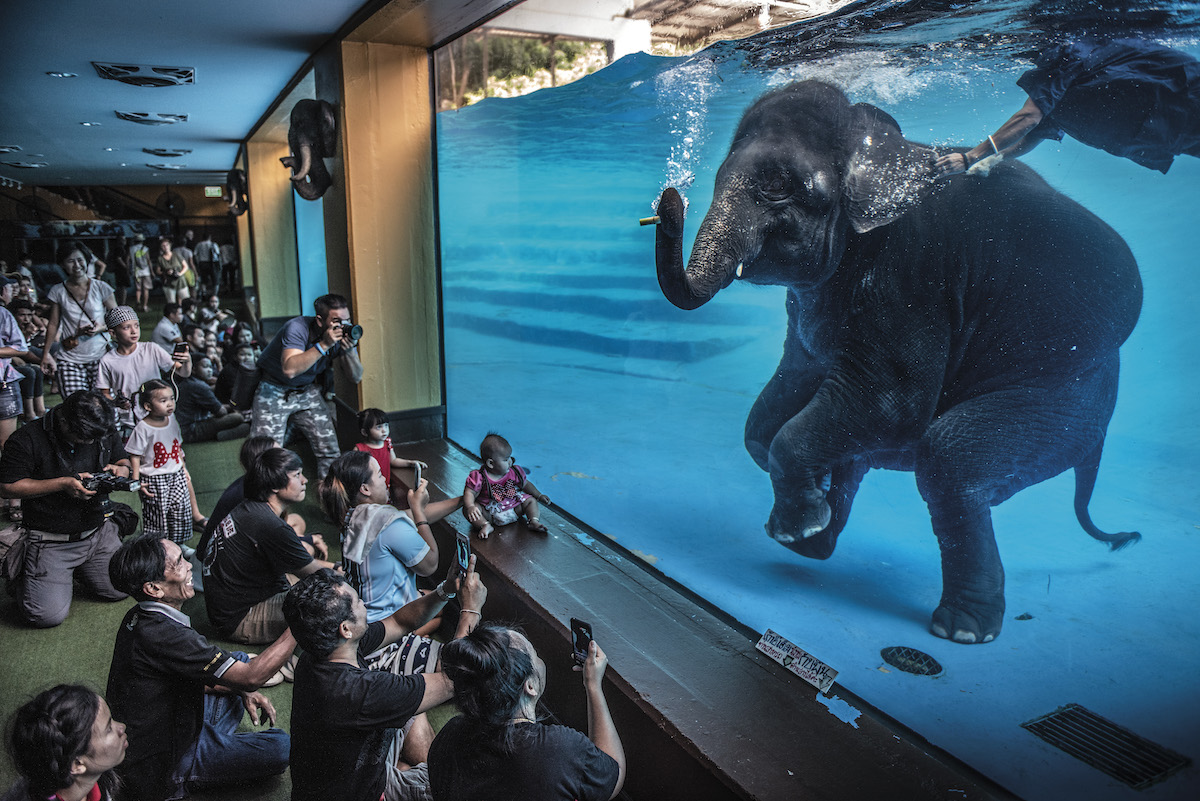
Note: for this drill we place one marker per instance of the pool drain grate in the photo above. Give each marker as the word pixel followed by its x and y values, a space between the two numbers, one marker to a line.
pixel 910 660
pixel 1107 747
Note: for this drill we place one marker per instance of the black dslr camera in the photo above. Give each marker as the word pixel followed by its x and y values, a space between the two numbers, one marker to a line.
pixel 351 332
pixel 104 483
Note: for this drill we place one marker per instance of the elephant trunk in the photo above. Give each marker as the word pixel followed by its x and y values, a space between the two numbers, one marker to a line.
pixel 718 252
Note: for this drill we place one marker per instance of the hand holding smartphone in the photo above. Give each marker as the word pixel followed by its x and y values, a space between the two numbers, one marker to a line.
pixel 462 551
pixel 581 640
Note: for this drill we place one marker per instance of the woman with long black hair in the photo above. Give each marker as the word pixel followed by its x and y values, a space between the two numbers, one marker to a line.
pixel 65 745
pixel 497 749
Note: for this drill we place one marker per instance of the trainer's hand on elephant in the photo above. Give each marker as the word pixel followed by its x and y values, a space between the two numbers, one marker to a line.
pixel 951 164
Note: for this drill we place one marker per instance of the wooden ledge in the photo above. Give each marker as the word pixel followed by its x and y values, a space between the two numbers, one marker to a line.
pixel 701 713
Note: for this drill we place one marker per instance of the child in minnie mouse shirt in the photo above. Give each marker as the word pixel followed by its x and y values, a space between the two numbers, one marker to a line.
pixel 156 454
pixel 500 491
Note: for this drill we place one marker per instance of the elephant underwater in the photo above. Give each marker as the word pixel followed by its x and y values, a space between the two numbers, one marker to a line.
pixel 966 330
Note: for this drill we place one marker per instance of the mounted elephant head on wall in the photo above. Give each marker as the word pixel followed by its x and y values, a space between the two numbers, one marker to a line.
pixel 312 137
pixel 947 329
pixel 235 191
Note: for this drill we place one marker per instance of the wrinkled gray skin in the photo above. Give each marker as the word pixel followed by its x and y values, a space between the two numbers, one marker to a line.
pixel 312 137
pixel 965 330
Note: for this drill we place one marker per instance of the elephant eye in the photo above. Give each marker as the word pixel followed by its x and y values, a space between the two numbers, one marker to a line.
pixel 777 186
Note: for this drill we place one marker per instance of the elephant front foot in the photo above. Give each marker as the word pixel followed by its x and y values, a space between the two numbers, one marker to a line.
pixel 800 523
pixel 969 617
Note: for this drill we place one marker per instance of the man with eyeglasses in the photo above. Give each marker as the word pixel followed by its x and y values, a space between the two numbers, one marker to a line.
pixel 69 535
pixel 182 697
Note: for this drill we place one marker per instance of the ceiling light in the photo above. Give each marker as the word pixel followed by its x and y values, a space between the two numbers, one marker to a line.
pixel 151 118
pixel 143 75
pixel 25 165
pixel 62 75
pixel 90 124
pixel 166 166
pixel 9 148
pixel 110 149
pixel 166 152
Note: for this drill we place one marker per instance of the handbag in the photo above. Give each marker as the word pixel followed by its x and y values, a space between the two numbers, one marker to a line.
pixel 124 517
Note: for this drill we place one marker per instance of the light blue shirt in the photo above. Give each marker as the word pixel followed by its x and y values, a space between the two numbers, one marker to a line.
pixel 385 580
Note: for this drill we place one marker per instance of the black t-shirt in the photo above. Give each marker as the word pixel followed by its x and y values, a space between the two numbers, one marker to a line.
pixel 35 451
pixel 234 494
pixel 249 554
pixel 548 763
pixel 343 720
pixel 160 665
pixel 196 401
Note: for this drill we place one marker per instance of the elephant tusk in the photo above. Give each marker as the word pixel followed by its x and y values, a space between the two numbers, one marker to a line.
pixel 649 220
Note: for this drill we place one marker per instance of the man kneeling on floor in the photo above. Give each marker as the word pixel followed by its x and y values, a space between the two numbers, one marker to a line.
pixel 70 537
pixel 182 698
pixel 348 722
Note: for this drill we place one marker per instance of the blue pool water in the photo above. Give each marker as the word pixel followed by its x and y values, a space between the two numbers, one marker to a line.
pixel 630 412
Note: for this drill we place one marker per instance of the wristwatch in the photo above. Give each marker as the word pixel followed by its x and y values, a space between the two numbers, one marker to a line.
pixel 442 594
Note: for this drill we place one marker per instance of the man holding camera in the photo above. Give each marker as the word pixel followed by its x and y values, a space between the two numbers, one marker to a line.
pixel 297 383
pixel 49 465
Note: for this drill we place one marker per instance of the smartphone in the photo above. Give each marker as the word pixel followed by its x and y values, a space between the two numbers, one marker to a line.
pixel 180 349
pixel 462 551
pixel 417 473
pixel 581 640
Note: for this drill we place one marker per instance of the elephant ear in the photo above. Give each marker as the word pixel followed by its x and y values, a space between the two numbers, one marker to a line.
pixel 327 128
pixel 886 175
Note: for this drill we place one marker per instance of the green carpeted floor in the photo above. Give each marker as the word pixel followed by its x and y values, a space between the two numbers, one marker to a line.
pixel 80 650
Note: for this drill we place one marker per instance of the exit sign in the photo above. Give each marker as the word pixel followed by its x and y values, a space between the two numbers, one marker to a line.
pixel 212 191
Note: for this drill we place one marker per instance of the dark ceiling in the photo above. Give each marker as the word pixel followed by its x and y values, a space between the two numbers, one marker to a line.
pixel 227 62
pixel 243 53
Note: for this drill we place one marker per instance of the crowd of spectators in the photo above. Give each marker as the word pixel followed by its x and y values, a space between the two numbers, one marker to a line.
pixel 358 638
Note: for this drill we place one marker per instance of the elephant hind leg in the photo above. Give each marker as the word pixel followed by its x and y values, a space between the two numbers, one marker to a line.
pixel 1085 482
pixel 982 452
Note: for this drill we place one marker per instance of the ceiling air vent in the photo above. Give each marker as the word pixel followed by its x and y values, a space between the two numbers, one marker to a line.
pixel 166 152
pixel 151 118
pixel 9 148
pixel 166 166
pixel 25 165
pixel 143 75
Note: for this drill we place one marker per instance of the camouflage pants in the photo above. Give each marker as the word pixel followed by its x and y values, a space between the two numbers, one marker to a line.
pixel 306 409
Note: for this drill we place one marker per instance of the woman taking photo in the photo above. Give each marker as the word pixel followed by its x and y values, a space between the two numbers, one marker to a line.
pixel 65 745
pixel 496 749
pixel 77 321
pixel 383 548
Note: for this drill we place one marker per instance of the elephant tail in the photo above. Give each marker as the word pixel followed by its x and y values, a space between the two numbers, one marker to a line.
pixel 1085 482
